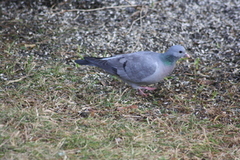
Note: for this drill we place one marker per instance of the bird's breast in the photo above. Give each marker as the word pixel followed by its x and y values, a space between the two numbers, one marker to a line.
pixel 161 72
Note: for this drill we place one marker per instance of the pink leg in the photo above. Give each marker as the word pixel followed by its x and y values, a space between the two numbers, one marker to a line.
pixel 147 88
pixel 142 93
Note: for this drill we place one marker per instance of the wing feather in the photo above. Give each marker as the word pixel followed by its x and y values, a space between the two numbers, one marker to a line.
pixel 134 67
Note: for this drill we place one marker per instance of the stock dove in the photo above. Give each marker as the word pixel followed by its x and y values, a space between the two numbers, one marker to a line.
pixel 139 68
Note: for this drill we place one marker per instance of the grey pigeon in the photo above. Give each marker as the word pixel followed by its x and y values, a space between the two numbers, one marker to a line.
pixel 139 68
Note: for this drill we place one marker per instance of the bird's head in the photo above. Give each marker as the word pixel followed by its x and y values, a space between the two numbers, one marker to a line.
pixel 177 51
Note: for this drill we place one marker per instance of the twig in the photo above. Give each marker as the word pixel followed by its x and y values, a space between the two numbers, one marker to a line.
pixel 17 80
pixel 141 25
pixel 97 9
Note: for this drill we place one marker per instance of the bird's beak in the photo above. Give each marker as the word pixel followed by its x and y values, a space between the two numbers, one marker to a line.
pixel 187 55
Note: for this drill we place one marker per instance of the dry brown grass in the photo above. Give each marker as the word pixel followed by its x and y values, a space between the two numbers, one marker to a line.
pixel 47 116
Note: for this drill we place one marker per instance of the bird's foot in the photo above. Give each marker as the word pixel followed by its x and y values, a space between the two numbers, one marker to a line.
pixel 147 88
pixel 142 93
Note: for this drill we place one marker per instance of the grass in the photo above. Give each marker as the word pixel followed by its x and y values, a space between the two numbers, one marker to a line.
pixel 51 110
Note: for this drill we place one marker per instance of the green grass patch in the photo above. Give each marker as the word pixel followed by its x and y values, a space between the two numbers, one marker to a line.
pixel 53 110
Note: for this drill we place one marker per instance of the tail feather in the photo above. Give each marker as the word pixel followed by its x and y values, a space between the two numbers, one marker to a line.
pixel 82 62
pixel 91 61
pixel 98 62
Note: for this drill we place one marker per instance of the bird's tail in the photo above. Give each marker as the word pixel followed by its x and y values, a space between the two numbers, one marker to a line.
pixel 82 62
pixel 91 61
pixel 98 62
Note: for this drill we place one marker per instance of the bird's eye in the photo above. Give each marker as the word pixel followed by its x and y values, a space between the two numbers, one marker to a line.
pixel 180 51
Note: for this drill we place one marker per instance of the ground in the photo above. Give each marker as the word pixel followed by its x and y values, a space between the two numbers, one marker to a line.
pixel 52 108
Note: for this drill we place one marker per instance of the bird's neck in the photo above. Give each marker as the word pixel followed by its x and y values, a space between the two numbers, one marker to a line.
pixel 169 60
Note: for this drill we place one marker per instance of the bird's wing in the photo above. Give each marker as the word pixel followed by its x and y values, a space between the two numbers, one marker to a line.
pixel 133 67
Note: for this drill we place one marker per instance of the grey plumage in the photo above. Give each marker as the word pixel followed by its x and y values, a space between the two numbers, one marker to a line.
pixel 139 68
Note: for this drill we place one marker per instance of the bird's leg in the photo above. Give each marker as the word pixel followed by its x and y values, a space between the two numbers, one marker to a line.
pixel 147 88
pixel 142 93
